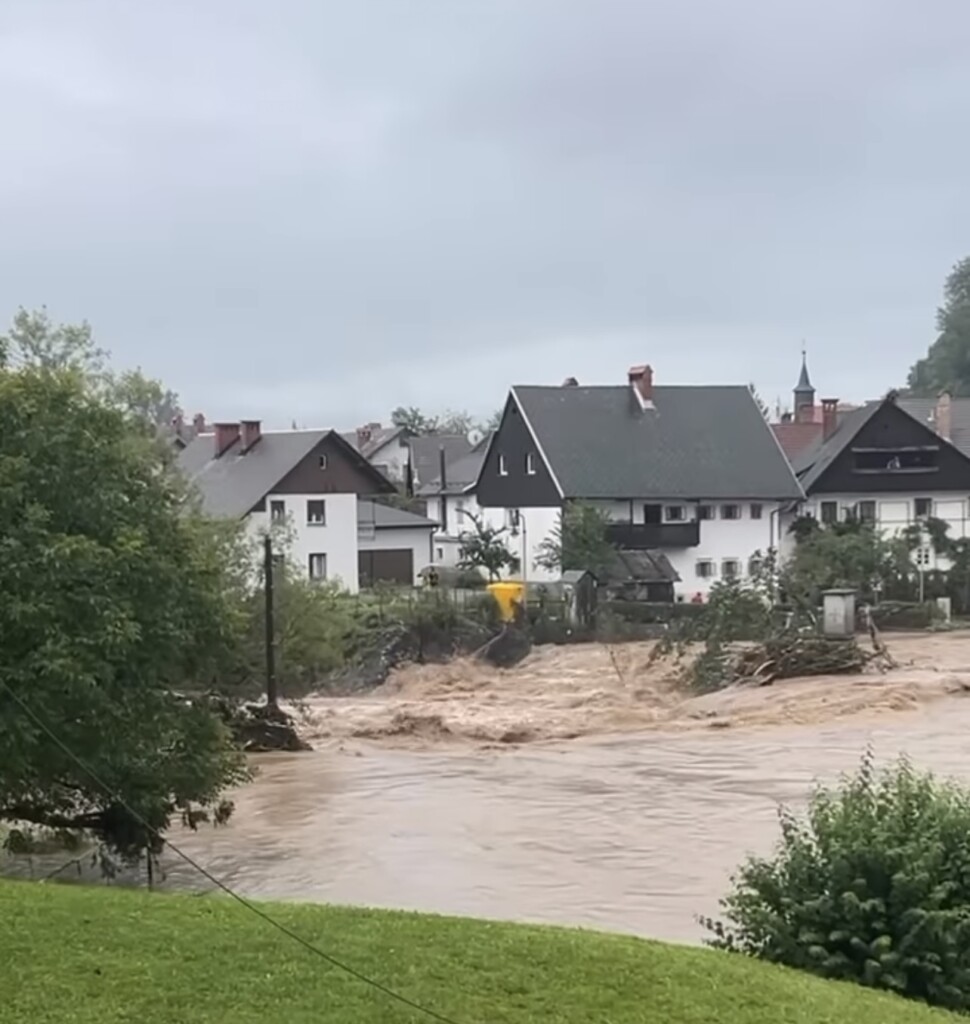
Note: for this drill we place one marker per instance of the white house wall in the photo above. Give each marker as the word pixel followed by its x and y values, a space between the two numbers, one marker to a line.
pixel 721 540
pixel 392 457
pixel 337 539
pixel 895 512
pixel 535 525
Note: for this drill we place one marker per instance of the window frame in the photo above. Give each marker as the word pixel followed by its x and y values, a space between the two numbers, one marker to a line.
pixel 679 518
pixel 923 515
pixel 710 563
pixel 277 505
pixel 722 512
pixel 868 503
pixel 310 558
pixel 759 514
pixel 705 513
pixel 322 503
pixel 822 506
pixel 530 464
pixel 735 574
pixel 322 460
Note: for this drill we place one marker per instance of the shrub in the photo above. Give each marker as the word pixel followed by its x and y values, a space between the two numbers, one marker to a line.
pixel 652 611
pixel 904 615
pixel 873 886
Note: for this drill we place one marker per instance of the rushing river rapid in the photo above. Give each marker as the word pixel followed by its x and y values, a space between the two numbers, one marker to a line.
pixel 582 788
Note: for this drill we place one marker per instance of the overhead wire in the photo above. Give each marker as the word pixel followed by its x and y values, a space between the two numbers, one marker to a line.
pixel 333 961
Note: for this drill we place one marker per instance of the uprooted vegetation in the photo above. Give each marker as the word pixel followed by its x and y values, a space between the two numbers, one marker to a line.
pixel 741 638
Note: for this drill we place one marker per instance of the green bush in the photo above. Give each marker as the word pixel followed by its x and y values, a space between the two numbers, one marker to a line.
pixel 873 886
pixel 652 611
pixel 904 615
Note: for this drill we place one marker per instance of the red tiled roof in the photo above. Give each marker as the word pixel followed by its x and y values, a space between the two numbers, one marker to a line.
pixel 795 438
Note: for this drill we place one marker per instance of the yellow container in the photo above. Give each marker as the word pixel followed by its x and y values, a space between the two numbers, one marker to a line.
pixel 507 594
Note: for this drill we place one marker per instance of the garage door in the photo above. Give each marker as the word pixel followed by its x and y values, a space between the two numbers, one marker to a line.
pixel 395 565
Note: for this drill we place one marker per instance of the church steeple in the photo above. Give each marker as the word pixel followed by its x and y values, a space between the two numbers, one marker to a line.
pixel 804 395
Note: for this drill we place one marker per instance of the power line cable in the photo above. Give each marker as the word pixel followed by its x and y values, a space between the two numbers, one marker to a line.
pixel 268 918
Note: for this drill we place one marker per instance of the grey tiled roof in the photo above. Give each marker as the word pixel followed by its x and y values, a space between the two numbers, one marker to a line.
pixel 426 455
pixel 378 439
pixel 697 442
pixel 386 517
pixel 461 474
pixel 232 484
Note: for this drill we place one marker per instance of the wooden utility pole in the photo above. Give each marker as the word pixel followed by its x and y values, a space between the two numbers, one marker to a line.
pixel 271 694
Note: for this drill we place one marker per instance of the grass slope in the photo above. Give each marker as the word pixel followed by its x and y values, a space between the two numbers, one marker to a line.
pixel 102 956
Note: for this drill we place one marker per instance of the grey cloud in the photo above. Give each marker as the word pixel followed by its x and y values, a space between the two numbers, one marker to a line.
pixel 320 211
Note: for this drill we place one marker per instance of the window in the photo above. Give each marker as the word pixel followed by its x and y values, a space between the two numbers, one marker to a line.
pixel 730 569
pixel 323 462
pixel 829 512
pixel 866 511
pixel 705 569
pixel 316 512
pixel 755 510
pixel 441 554
pixel 503 469
pixel 277 510
pixel 730 511
pixel 530 464
pixel 318 566
pixel 923 507
pixel 705 511
pixel 674 513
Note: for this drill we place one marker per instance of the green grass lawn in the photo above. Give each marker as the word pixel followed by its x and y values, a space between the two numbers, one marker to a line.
pixel 103 955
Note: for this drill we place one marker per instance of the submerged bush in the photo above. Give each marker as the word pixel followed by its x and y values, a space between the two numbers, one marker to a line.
pixel 872 886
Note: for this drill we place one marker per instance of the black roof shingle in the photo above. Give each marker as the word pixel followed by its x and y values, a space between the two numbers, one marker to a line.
pixel 696 442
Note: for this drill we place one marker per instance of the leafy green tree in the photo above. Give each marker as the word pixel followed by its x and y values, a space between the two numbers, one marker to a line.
pixel 414 419
pixel 871 886
pixel 946 365
pixel 34 341
pixel 849 554
pixel 579 541
pixel 119 599
pixel 483 547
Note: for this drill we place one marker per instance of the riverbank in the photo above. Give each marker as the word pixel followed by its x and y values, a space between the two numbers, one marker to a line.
pixel 571 691
pixel 106 956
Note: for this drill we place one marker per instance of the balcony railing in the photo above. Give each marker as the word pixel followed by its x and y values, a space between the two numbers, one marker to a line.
pixel 640 536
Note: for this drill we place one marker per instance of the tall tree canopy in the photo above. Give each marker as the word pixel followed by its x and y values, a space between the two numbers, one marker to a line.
pixel 34 341
pixel 946 366
pixel 118 598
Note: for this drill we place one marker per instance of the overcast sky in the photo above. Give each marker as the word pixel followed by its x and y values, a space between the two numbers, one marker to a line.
pixel 317 210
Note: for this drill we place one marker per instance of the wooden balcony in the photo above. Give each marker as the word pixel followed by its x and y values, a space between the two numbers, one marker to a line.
pixel 641 536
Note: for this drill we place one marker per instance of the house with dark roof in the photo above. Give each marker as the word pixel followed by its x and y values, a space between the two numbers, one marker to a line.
pixel 890 463
pixel 324 491
pixel 692 472
pixel 385 448
pixel 449 496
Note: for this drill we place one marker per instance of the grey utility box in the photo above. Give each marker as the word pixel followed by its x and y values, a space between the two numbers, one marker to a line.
pixel 838 612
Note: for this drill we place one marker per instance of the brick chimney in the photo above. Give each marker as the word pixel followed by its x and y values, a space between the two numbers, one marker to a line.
pixel 227 434
pixel 641 379
pixel 830 417
pixel 251 433
pixel 942 416
pixel 364 435
pixel 199 425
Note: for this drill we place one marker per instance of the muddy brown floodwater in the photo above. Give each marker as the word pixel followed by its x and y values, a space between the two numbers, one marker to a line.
pixel 455 789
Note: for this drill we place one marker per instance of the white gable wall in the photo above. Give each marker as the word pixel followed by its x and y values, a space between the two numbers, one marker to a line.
pixel 337 539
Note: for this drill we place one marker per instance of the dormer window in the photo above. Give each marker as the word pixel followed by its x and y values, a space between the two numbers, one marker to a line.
pixel 503 469
pixel 530 464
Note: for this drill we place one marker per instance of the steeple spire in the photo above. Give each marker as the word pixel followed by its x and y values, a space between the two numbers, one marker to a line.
pixel 804 394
